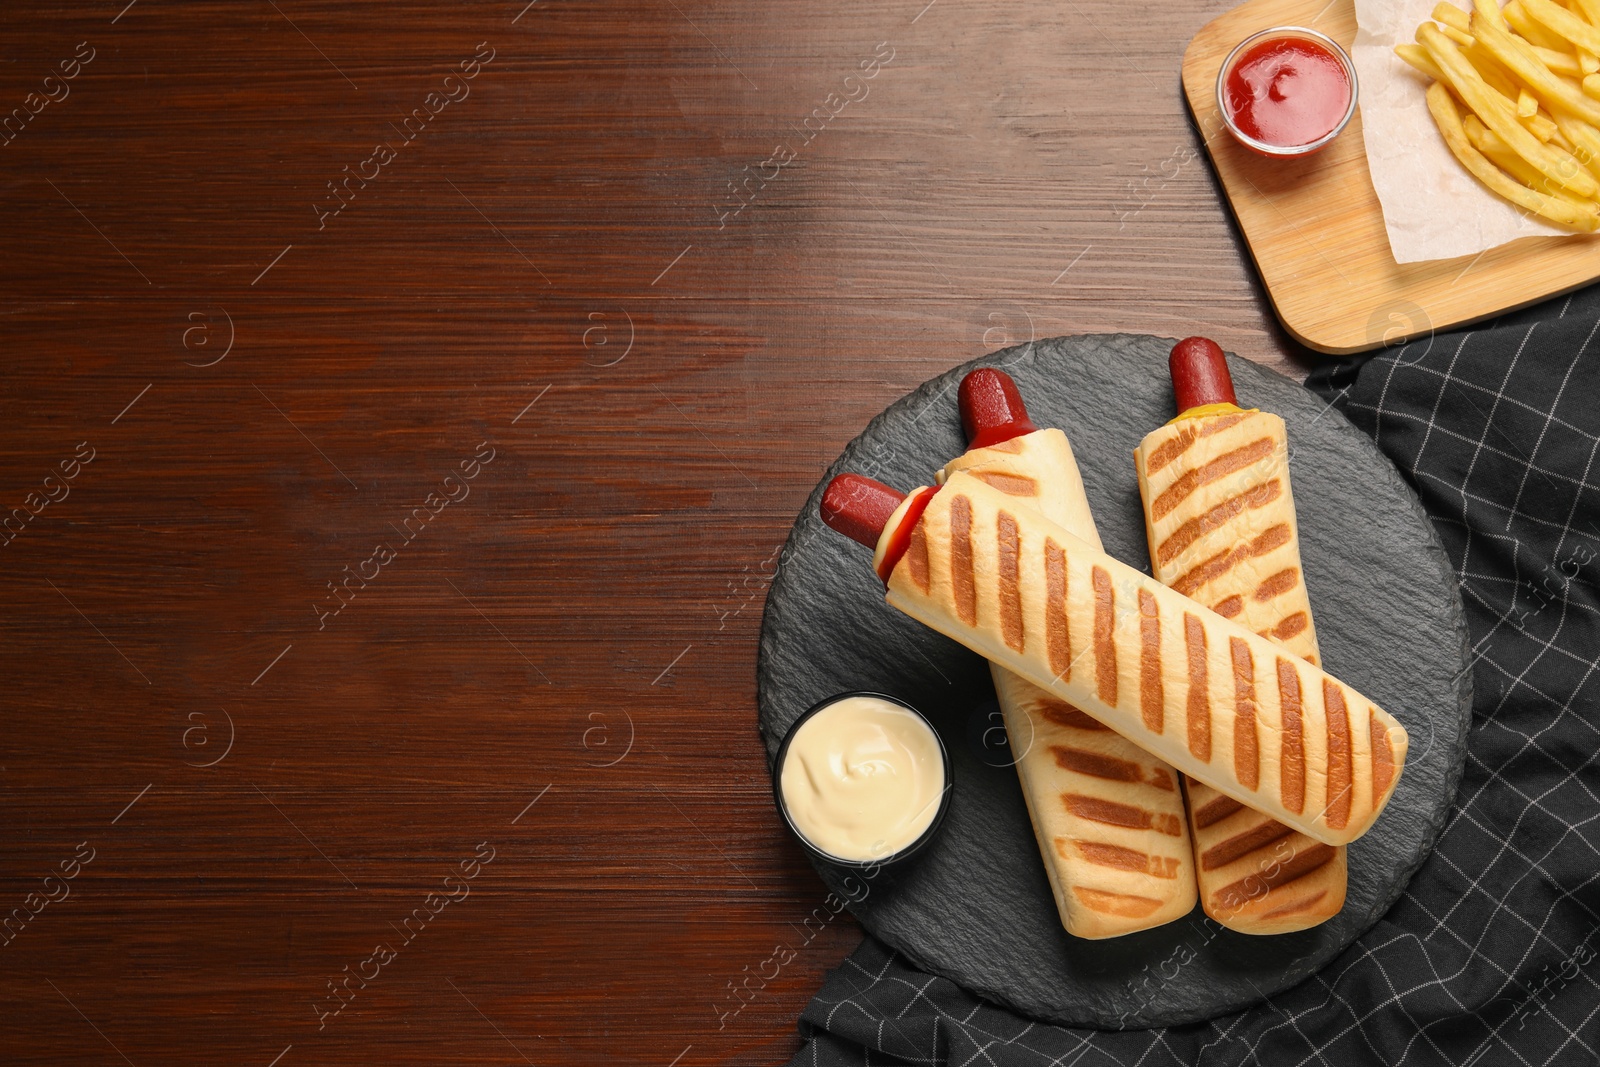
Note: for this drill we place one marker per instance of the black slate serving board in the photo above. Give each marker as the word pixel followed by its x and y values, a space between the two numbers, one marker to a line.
pixel 977 908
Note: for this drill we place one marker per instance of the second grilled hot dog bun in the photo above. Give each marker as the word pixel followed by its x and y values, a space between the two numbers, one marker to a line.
pixel 1220 518
pixel 1038 468
pixel 1108 816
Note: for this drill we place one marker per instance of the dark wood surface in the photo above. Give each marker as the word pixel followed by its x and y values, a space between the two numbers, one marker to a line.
pixel 551 270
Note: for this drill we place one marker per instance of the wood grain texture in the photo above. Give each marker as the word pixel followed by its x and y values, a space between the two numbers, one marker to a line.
pixel 1017 169
pixel 1315 227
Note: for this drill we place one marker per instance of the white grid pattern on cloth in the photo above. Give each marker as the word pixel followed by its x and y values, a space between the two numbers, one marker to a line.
pixel 1513 889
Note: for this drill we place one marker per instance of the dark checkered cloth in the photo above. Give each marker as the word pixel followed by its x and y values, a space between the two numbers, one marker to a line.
pixel 1492 956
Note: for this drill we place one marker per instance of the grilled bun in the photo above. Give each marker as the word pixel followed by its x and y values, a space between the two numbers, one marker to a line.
pixel 1255 875
pixel 1108 816
pixel 1211 698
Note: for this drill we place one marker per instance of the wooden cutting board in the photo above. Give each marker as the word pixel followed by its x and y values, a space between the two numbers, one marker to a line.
pixel 1315 228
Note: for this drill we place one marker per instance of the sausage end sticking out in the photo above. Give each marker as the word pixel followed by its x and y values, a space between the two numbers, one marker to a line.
pixel 859 507
pixel 992 410
pixel 1199 374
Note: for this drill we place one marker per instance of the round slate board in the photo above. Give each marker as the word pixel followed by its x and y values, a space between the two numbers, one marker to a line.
pixel 977 908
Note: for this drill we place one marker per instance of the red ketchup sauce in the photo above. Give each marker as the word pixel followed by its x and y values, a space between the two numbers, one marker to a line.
pixel 1287 91
pixel 900 540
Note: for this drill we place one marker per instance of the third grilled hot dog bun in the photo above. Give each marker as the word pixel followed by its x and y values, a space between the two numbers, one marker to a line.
pixel 1256 875
pixel 1219 513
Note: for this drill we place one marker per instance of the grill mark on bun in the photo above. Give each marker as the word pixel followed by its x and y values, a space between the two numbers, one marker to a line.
pixel 1057 640
pixel 1095 764
pixel 1104 855
pixel 1113 813
pixel 1013 445
pixel 1229 607
pixel 1289 626
pixel 1190 532
pixel 1126 859
pixel 917 557
pixel 961 574
pixel 1382 757
pixel 1278 584
pixel 1105 645
pixel 1224 465
pixel 1303 904
pixel 1271 538
pixel 1240 845
pixel 1239 894
pixel 1215 810
pixel 1171 450
pixel 1010 594
pixel 1009 484
pixel 1223 562
pixel 1198 714
pixel 1162 778
pixel 1063 714
pixel 1292 768
pixel 1246 756
pixel 1222 422
pixel 1152 699
pixel 1123 905
pixel 1341 776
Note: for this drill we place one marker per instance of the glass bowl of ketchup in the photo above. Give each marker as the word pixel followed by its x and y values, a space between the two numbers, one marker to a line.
pixel 1286 91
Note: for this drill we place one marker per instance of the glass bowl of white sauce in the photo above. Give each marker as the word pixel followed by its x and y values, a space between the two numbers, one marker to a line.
pixel 862 780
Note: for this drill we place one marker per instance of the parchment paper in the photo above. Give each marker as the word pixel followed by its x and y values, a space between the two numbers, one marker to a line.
pixel 1432 208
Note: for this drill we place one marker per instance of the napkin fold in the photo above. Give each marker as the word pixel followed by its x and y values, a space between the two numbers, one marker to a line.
pixel 1490 955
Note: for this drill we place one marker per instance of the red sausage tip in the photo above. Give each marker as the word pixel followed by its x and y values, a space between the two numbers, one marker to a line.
pixel 859 507
pixel 1200 374
pixel 992 410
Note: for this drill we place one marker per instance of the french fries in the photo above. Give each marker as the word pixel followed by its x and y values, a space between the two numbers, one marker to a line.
pixel 1515 93
pixel 1564 24
pixel 1499 115
pixel 1584 217
pixel 1531 29
pixel 1500 154
pixel 1563 63
pixel 1521 61
pixel 1447 14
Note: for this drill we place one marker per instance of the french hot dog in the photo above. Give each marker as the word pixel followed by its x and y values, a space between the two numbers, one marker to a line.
pixel 1213 699
pixel 1215 483
pixel 1256 875
pixel 1111 874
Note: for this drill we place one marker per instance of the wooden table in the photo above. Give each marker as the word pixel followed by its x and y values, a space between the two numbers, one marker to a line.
pixel 406 404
